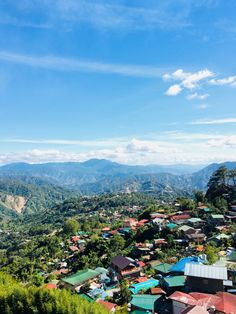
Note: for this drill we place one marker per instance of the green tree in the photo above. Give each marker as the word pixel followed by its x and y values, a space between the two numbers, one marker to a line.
pixel 71 226
pixel 211 253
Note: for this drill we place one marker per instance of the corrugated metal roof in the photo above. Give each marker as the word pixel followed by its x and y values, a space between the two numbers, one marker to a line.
pixel 206 271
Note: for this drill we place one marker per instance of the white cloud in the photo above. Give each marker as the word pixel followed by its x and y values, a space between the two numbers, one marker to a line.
pixel 71 64
pixel 174 147
pixel 231 80
pixel 174 90
pixel 214 121
pixel 188 80
pixel 197 96
pixel 229 141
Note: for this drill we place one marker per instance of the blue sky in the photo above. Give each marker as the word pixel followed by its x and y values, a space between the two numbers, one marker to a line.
pixel 136 82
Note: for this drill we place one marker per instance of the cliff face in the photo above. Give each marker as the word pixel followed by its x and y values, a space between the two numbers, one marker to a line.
pixel 12 202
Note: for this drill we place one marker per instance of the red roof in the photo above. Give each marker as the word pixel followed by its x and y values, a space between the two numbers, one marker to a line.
pixel 183 298
pixel 110 306
pixel 180 217
pixel 75 238
pixel 143 221
pixel 113 231
pixel 141 279
pixel 74 248
pixel 227 304
pixel 204 300
pixel 195 310
pixel 141 264
pixel 157 291
pixel 50 286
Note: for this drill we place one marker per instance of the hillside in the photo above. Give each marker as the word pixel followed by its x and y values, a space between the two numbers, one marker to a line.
pixel 26 195
pixel 32 187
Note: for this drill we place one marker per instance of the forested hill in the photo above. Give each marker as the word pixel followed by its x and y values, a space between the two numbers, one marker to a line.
pixel 26 188
pixel 75 174
pixel 104 173
pixel 26 195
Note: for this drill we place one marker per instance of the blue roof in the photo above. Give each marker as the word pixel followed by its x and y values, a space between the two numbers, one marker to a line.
pixel 180 265
pixel 144 285
pixel 97 293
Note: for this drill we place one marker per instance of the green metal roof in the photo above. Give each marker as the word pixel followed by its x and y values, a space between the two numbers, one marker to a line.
pixel 217 216
pixel 164 267
pixel 171 225
pixel 145 301
pixel 175 281
pixel 207 210
pixel 193 220
pixel 80 277
pixel 220 236
pixel 87 297
pixel 185 228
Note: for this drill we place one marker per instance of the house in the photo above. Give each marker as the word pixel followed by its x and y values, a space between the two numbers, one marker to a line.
pixel 227 304
pixel 205 278
pixel 186 228
pixel 183 303
pixel 195 222
pixel 174 282
pixel 196 237
pixel 111 307
pixel 219 238
pixel 130 223
pixel 171 226
pixel 216 219
pixel 220 303
pixel 146 302
pixel 125 267
pixel 180 219
pixel 75 281
pixel 179 267
pixel 163 268
pixel 150 283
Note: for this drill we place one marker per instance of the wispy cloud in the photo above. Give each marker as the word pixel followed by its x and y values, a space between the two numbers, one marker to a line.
pixel 72 64
pixel 188 81
pixel 214 121
pixel 197 96
pixel 231 81
pixel 65 142
pixel 112 14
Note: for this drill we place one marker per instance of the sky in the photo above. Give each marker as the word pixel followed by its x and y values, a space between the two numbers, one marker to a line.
pixel 133 81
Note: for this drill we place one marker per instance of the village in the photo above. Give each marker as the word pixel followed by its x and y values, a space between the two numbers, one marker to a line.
pixel 189 268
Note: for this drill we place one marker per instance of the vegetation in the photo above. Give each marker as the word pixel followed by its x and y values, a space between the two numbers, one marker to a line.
pixel 17 299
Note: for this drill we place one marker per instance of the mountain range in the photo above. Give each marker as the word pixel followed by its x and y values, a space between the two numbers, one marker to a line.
pixel 55 181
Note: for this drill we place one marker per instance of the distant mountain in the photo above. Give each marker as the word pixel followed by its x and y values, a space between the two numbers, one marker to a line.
pixel 74 174
pixel 45 183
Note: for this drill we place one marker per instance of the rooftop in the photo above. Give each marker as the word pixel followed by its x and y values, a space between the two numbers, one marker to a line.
pixel 163 268
pixel 206 271
pixel 175 281
pixel 145 301
pixel 135 288
pixel 80 277
pixel 180 265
